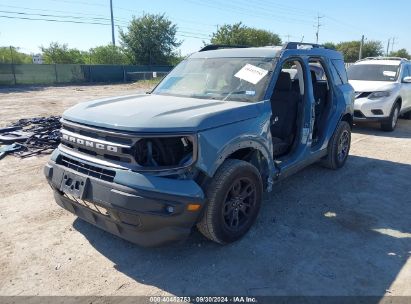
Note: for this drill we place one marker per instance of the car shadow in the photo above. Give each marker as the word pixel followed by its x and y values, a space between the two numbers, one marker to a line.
pixel 371 128
pixel 320 232
pixel 21 89
pixel 24 88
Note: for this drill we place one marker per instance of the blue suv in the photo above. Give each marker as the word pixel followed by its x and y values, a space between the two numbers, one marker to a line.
pixel 201 148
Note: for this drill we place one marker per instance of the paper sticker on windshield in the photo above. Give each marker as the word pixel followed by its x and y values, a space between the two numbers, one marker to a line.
pixel 389 73
pixel 251 73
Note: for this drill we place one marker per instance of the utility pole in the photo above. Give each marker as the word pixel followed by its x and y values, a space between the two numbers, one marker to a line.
pixel 12 65
pixel 288 37
pixel 11 54
pixel 392 44
pixel 361 47
pixel 388 46
pixel 112 23
pixel 318 25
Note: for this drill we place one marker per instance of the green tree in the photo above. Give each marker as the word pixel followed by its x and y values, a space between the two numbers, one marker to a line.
pixel 351 49
pixel 60 53
pixel 108 54
pixel 150 39
pixel 12 54
pixel 239 34
pixel 330 45
pixel 402 53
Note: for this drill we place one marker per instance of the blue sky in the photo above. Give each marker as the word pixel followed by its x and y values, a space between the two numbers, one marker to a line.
pixel 197 19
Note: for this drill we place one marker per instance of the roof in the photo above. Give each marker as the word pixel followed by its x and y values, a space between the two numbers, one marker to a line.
pixel 379 62
pixel 382 60
pixel 291 48
pixel 266 52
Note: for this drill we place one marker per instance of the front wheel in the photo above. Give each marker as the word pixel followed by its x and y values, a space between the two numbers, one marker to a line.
pixel 234 199
pixel 390 125
pixel 338 147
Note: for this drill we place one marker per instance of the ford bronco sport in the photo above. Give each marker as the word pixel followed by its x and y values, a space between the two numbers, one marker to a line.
pixel 200 149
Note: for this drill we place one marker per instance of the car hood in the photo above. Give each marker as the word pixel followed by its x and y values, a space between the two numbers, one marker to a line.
pixel 159 113
pixel 372 86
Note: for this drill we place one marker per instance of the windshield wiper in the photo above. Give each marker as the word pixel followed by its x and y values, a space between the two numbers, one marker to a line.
pixel 235 92
pixel 232 93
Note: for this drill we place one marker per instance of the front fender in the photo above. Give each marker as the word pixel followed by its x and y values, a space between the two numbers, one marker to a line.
pixel 215 145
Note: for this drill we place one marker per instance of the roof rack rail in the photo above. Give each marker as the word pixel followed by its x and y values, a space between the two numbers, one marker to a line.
pixel 212 47
pixel 383 58
pixel 301 45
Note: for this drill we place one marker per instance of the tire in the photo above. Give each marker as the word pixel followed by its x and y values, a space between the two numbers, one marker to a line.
pixel 392 121
pixel 338 147
pixel 227 216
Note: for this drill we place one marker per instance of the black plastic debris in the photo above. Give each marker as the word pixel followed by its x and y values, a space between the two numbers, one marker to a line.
pixel 32 136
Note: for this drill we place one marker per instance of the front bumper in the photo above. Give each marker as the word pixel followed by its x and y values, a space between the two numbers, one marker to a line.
pixel 373 110
pixel 146 210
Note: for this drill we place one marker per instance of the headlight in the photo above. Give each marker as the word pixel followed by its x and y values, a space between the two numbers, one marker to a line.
pixel 159 153
pixel 377 95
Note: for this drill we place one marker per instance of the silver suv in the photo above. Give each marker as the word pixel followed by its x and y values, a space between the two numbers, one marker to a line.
pixel 383 90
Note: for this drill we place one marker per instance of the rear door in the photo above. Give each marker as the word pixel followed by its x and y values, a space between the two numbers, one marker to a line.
pixel 406 88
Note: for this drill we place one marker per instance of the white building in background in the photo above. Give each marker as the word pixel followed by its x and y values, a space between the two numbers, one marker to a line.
pixel 38 59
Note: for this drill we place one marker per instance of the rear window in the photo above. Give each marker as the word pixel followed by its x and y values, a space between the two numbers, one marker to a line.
pixel 339 65
pixel 373 72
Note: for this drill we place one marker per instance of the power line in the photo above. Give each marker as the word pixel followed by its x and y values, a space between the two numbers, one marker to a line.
pixel 79 2
pixel 96 16
pixel 246 11
pixel 56 16
pixel 184 33
pixel 264 5
pixel 124 23
pixel 52 20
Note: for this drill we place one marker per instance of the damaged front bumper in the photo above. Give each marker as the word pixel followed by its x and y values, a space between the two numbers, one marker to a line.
pixel 144 209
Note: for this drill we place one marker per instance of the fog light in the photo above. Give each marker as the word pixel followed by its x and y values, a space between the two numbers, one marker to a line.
pixel 170 209
pixel 377 112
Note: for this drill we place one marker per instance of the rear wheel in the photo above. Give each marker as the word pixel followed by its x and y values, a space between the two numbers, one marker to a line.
pixel 390 125
pixel 338 147
pixel 234 199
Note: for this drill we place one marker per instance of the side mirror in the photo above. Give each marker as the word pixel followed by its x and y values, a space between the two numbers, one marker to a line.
pixel 407 79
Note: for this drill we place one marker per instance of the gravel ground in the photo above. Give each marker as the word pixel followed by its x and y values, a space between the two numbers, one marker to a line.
pixel 320 232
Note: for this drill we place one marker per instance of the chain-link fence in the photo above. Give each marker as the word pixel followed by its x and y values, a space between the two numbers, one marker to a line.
pixel 14 74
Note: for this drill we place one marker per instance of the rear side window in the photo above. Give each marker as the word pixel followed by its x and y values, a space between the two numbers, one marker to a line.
pixel 407 69
pixel 341 71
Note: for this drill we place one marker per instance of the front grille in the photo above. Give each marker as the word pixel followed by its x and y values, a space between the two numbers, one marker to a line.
pixel 99 143
pixel 362 94
pixel 142 152
pixel 89 170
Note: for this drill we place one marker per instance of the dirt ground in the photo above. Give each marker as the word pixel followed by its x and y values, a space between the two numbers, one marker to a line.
pixel 320 232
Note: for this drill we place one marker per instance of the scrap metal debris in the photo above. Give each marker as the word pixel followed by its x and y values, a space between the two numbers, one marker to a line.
pixel 28 137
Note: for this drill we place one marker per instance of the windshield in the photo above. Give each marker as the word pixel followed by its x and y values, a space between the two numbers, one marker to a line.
pixel 233 79
pixel 373 72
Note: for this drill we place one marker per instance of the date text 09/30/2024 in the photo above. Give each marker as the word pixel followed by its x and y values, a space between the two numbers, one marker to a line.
pixel 204 299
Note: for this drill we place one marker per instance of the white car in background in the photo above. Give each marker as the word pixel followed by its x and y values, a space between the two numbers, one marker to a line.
pixel 382 90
